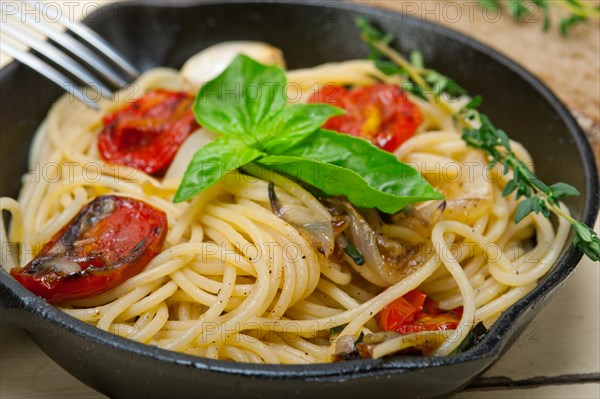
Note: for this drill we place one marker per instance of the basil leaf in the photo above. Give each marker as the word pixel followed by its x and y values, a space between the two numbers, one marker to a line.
pixel 378 167
pixel 335 180
pixel 242 100
pixel 211 163
pixel 295 123
pixel 246 105
pixel 340 164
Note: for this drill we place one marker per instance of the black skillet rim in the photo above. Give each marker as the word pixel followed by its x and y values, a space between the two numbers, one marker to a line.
pixel 493 343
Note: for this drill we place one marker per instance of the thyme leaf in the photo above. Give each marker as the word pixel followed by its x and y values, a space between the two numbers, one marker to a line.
pixel 577 11
pixel 479 132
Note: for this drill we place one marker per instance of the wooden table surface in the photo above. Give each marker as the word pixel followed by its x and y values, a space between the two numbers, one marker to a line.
pixel 558 356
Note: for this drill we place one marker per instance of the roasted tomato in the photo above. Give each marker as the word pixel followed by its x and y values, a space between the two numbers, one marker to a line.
pixel 110 240
pixel 147 133
pixel 380 113
pixel 414 312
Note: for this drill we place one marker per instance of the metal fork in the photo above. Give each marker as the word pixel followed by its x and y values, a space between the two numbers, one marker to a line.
pixel 99 75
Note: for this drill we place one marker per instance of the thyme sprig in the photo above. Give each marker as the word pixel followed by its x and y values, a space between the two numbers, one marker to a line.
pixel 538 197
pixel 479 132
pixel 577 11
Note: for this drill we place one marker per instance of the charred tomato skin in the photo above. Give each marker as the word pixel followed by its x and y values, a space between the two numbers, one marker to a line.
pixel 147 133
pixel 380 113
pixel 109 241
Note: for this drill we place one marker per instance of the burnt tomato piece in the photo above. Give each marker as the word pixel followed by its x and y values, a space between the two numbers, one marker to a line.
pixel 147 133
pixel 110 240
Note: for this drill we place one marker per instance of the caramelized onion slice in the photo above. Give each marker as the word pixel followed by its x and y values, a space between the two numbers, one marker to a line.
pixel 313 226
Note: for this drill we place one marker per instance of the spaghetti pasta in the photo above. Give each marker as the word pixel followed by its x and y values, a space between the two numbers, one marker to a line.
pixel 235 281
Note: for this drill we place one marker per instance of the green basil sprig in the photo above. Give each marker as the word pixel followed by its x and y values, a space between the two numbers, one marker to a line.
pixel 246 105
pixel 340 164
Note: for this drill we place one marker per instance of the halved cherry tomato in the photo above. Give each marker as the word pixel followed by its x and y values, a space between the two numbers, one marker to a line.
pixel 414 312
pixel 426 322
pixel 147 133
pixel 110 240
pixel 380 113
pixel 401 311
pixel 416 298
pixel 396 314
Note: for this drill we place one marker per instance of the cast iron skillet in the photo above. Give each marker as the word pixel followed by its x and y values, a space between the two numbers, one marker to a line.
pixel 309 34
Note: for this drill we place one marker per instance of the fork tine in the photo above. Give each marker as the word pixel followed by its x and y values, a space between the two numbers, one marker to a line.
pixel 55 55
pixel 74 47
pixel 91 37
pixel 49 72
